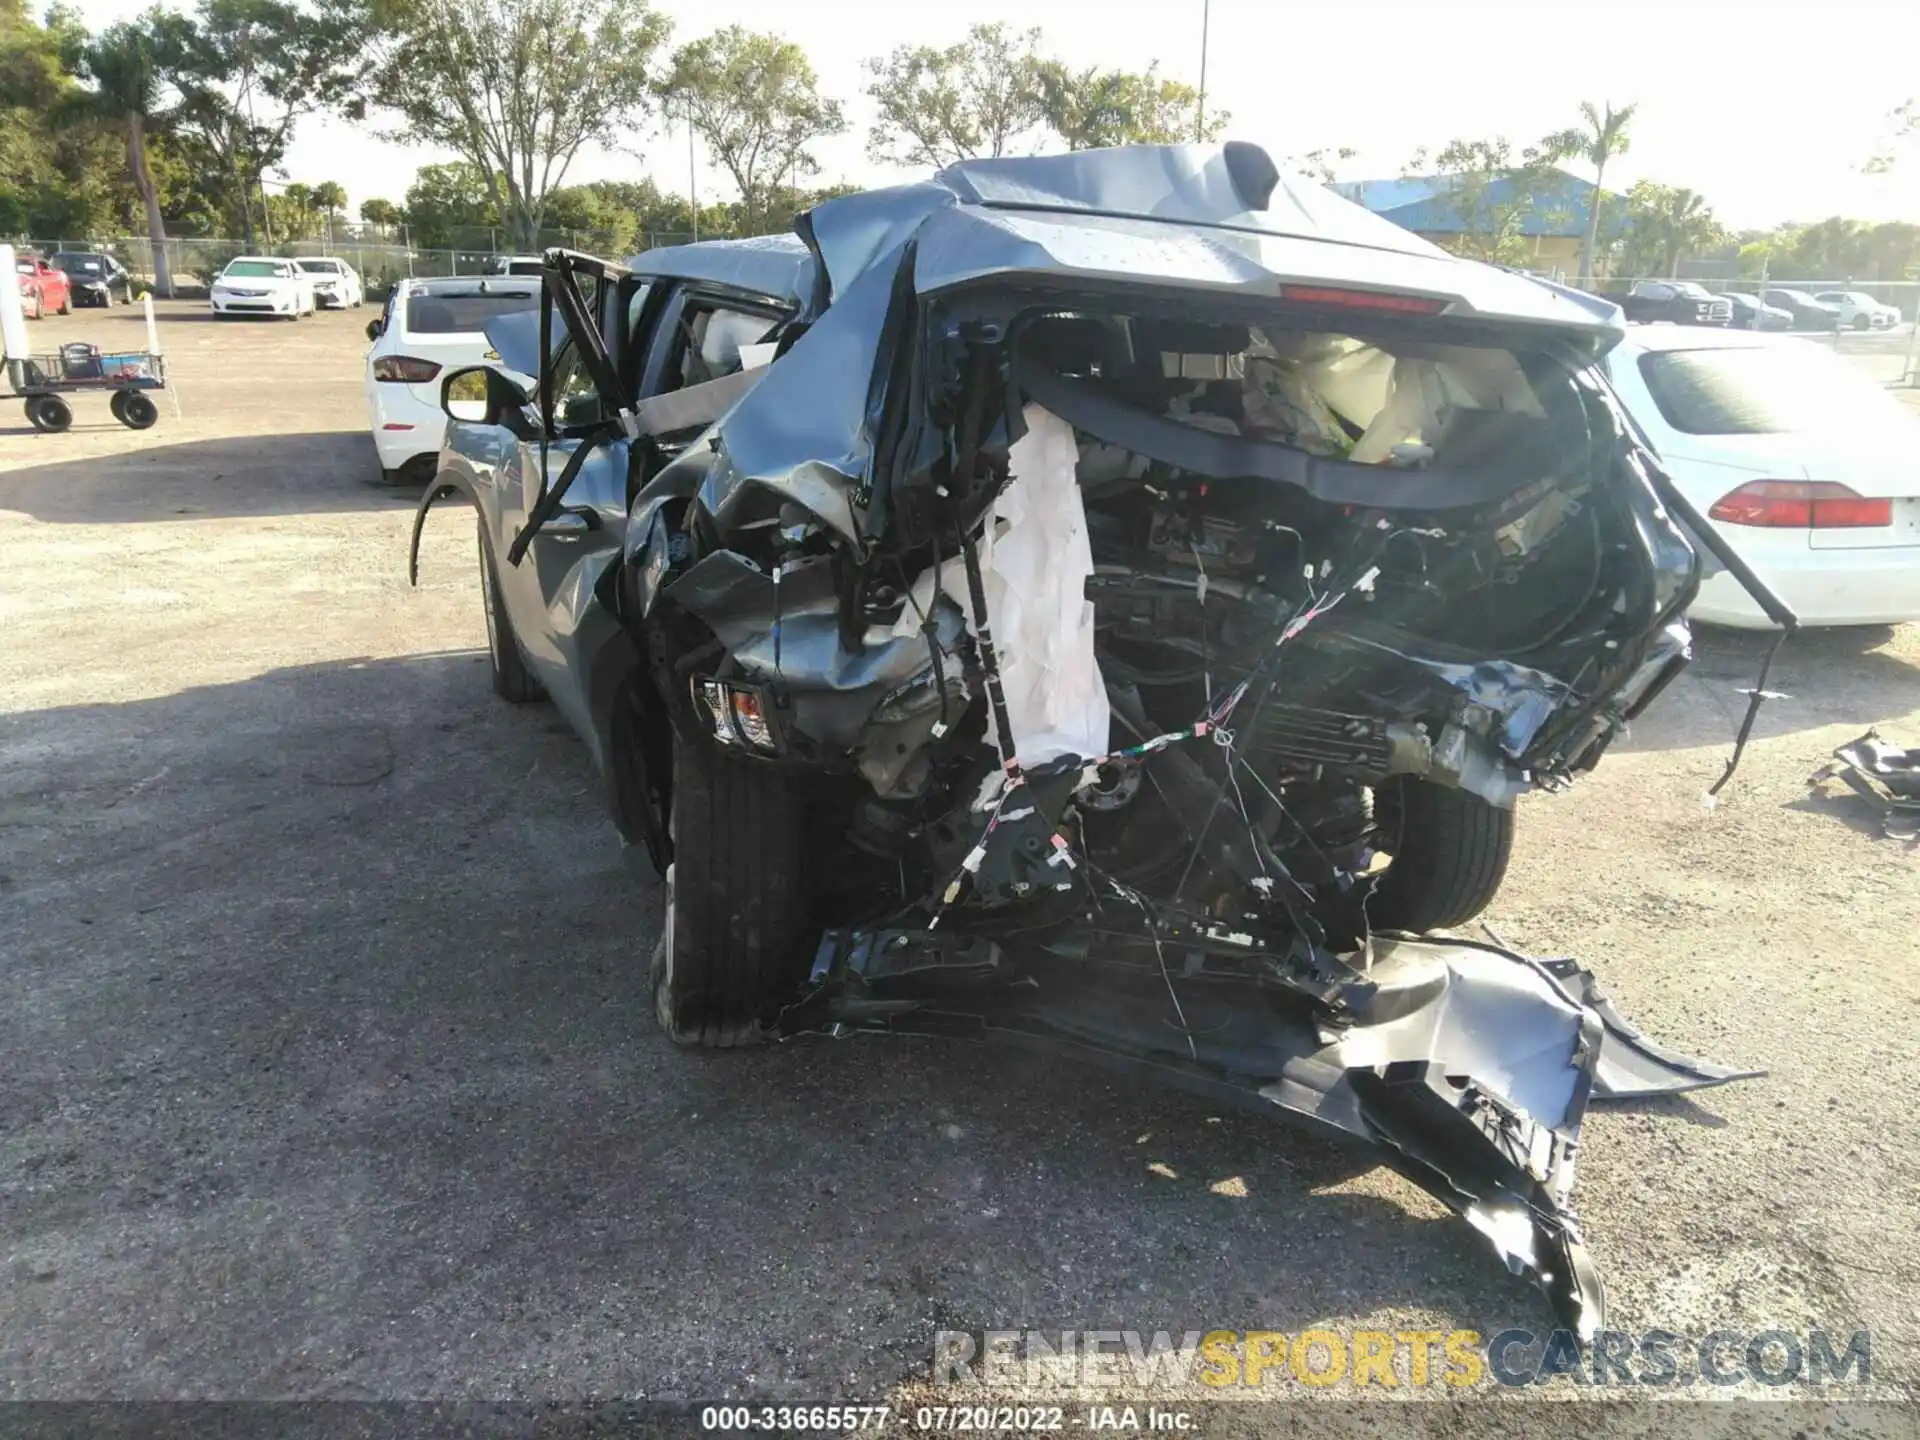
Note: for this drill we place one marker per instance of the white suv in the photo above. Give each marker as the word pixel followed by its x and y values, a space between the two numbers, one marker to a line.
pixel 1859 311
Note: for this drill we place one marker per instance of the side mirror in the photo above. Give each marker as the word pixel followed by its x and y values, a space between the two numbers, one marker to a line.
pixel 483 395
pixel 375 329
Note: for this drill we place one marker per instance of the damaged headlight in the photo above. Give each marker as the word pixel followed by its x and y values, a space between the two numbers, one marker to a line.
pixel 738 715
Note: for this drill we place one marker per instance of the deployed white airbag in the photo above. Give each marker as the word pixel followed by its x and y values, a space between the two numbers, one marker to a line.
pixel 1035 559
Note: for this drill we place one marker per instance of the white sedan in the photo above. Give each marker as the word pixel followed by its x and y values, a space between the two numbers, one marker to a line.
pixel 336 284
pixel 1804 462
pixel 262 285
pixel 427 328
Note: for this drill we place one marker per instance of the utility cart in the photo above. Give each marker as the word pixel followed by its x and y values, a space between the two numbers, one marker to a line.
pixel 45 382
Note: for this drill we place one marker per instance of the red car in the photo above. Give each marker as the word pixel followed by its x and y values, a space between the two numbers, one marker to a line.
pixel 42 288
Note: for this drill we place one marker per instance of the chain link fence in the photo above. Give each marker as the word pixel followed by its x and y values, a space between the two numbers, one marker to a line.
pixel 384 255
pixel 381 255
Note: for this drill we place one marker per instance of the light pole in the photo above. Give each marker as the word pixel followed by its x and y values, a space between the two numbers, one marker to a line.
pixel 1200 109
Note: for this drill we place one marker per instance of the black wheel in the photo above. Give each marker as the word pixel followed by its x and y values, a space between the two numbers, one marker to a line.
pixel 116 405
pixel 49 412
pixel 1861 322
pixel 1450 851
pixel 736 931
pixel 512 680
pixel 134 410
pixel 66 303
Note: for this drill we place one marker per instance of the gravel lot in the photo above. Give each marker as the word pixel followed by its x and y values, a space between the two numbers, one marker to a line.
pixel 328 1072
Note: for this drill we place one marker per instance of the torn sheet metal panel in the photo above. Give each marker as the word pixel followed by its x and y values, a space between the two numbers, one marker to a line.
pixel 1886 776
pixel 1468 1068
pixel 804 434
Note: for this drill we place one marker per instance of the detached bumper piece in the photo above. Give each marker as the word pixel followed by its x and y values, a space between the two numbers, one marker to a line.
pixel 1885 776
pixel 1467 1068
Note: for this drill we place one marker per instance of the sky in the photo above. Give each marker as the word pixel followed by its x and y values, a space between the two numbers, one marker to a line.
pixel 1770 123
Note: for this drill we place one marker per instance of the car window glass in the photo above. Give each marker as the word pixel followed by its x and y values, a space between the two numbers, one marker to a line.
pixel 453 312
pixel 1763 390
pixel 575 399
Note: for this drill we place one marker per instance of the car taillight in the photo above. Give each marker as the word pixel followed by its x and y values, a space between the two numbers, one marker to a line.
pixel 1362 299
pixel 1800 505
pixel 404 368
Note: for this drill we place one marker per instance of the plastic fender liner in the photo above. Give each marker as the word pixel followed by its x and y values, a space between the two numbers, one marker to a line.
pixel 441 487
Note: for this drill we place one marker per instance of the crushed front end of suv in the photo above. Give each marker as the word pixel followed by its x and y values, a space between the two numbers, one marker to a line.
pixel 1108 603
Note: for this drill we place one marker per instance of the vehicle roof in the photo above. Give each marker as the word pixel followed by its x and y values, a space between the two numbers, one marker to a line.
pixel 780 266
pixel 270 259
pixel 318 260
pixel 83 254
pixel 1140 215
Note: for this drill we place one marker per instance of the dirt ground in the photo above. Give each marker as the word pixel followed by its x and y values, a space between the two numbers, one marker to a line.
pixel 328 1072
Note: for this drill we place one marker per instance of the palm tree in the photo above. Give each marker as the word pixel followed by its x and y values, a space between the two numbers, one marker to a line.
pixel 126 93
pixel 331 197
pixel 1604 137
pixel 1675 221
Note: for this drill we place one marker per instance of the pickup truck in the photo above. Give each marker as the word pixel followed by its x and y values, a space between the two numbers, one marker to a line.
pixel 1679 301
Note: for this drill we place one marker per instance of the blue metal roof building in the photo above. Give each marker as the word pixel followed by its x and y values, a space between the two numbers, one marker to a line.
pixel 1422 204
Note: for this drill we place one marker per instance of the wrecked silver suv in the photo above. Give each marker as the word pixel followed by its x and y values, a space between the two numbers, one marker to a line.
pixel 1109 602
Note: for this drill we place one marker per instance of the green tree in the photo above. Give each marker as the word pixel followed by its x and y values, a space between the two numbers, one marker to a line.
pixel 123 89
pixel 1093 108
pixel 246 72
pixel 756 102
pixel 295 214
pixel 1905 129
pixel 330 197
pixel 380 212
pixel 516 88
pixel 1492 193
pixel 940 105
pixel 48 182
pixel 1665 224
pixel 445 200
pixel 1321 165
pixel 1601 136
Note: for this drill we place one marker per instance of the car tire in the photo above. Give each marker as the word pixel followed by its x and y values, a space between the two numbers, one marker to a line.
pixel 513 680
pixel 1862 322
pixel 736 912
pixel 66 303
pixel 49 413
pixel 1450 851
pixel 39 311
